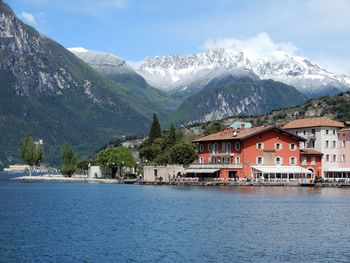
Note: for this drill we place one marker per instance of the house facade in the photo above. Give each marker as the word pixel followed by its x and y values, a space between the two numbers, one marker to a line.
pixel 325 136
pixel 254 153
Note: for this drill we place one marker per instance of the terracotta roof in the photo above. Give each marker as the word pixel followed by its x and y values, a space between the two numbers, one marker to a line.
pixel 241 134
pixel 313 122
pixel 310 152
pixel 345 130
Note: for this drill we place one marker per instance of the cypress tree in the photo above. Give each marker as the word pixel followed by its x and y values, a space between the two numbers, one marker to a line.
pixel 171 136
pixel 155 131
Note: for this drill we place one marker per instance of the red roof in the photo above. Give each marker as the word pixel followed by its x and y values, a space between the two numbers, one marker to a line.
pixel 310 152
pixel 241 134
pixel 313 122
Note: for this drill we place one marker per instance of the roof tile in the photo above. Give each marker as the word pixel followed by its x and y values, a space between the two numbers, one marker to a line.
pixel 313 122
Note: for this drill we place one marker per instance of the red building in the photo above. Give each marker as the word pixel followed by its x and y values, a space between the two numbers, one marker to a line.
pixel 311 160
pixel 260 152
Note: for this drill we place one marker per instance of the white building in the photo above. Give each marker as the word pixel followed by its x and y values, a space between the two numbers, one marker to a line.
pixel 322 135
pixel 162 173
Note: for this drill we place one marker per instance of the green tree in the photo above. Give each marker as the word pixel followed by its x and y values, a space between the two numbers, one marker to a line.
pixel 171 138
pixel 155 131
pixel 69 160
pixel 116 158
pixel 213 127
pixel 84 165
pixel 31 153
pixel 183 153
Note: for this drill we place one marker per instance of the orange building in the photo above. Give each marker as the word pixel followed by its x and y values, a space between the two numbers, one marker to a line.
pixel 312 160
pixel 265 152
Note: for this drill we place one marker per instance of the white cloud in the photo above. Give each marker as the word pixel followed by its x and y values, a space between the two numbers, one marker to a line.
pixel 260 46
pixel 334 64
pixel 29 18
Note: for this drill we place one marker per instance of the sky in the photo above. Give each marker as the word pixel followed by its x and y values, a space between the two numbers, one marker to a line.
pixel 134 29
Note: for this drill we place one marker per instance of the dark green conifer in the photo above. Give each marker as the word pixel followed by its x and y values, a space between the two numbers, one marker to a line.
pixel 155 131
pixel 171 136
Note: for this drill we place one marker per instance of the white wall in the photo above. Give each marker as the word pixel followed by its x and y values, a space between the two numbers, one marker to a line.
pixel 99 172
pixel 320 144
pixel 166 172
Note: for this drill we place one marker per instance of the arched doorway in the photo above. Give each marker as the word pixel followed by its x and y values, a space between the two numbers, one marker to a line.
pixel 313 172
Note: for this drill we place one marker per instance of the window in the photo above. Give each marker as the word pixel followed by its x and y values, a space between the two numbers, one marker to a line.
pixel 278 160
pixel 313 144
pixel 228 147
pixel 303 160
pixel 278 146
pixel 334 158
pixel 292 146
pixel 292 160
pixel 333 132
pixel 327 132
pixel 213 160
pixel 304 132
pixel 313 160
pixel 343 158
pixel 201 148
pixel 327 144
pixel 215 148
pixel 238 146
pixel 313 131
pixel 223 147
pixel 334 144
pixel 327 157
pixel 343 144
pixel 201 160
pixel 259 160
pixel 238 160
pixel 210 147
pixel 260 146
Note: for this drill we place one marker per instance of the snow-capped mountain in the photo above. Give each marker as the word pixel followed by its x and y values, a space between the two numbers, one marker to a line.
pixel 192 72
pixel 109 65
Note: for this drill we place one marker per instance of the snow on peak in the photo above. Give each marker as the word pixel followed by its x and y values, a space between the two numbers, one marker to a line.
pixel 77 49
pixel 175 72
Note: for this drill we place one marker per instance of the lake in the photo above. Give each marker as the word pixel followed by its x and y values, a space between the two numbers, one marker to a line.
pixel 85 222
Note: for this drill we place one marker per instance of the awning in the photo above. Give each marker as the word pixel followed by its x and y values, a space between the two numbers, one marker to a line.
pixel 338 170
pixel 282 169
pixel 201 171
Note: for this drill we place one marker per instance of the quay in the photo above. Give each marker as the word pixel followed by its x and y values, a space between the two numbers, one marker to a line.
pixel 181 182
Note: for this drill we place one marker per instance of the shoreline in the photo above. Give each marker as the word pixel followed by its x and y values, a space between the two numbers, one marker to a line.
pixel 55 178
pixel 63 179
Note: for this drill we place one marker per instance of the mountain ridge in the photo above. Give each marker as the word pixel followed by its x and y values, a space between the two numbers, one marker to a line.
pixel 178 72
pixel 48 91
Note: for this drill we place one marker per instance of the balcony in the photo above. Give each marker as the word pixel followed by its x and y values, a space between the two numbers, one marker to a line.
pixel 216 166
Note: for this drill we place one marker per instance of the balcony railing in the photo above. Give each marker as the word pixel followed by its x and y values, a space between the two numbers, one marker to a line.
pixel 216 166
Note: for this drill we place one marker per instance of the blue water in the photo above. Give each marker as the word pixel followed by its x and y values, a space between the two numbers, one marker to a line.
pixel 62 222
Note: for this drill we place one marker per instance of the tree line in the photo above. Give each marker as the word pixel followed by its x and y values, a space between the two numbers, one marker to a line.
pixel 161 147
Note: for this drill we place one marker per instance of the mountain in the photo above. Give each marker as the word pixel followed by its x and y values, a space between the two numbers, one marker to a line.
pixel 226 96
pixel 47 90
pixel 177 74
pixel 120 72
pixel 334 107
